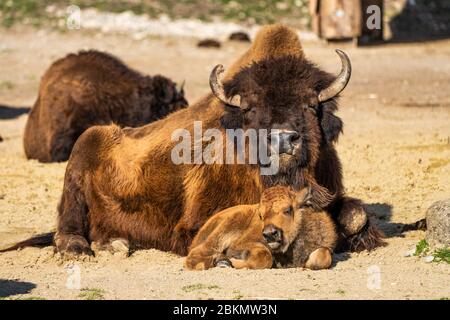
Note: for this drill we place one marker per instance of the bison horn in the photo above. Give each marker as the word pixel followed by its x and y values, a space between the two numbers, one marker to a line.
pixel 341 81
pixel 218 90
pixel 180 87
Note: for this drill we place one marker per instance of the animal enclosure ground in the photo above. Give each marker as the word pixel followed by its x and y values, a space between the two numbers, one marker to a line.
pixel 395 152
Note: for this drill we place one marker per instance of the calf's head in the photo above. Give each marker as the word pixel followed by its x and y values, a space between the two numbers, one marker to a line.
pixel 289 94
pixel 282 211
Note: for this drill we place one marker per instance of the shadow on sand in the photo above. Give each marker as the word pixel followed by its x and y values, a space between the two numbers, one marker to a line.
pixel 13 287
pixel 380 214
pixel 9 112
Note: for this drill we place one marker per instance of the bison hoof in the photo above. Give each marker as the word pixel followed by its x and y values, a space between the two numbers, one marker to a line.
pixel 72 245
pixel 224 263
pixel 120 245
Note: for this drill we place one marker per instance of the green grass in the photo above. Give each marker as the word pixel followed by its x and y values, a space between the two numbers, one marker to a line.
pixel 294 12
pixel 27 11
pixel 23 298
pixel 6 85
pixel 199 286
pixel 421 248
pixel 237 295
pixel 340 291
pixel 91 294
pixel 440 255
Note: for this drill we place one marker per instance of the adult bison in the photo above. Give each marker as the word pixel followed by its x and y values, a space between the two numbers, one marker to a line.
pixel 122 183
pixel 92 88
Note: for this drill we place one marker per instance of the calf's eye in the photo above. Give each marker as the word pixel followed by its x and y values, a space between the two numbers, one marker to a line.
pixel 288 211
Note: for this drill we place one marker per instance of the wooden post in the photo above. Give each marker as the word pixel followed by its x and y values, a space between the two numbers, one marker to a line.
pixel 344 19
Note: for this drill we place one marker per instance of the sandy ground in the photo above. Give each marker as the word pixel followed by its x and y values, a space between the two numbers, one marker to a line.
pixel 395 153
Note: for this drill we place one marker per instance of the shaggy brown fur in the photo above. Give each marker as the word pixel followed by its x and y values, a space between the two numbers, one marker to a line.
pixel 234 237
pixel 92 88
pixel 122 183
pixel 272 41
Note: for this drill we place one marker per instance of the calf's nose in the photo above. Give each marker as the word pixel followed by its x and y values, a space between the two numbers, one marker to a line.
pixel 271 233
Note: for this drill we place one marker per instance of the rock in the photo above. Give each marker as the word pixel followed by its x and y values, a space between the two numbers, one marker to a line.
pixel 428 259
pixel 239 36
pixel 209 43
pixel 409 253
pixel 438 223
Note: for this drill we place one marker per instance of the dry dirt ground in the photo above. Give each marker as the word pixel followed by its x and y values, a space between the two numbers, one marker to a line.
pixel 395 152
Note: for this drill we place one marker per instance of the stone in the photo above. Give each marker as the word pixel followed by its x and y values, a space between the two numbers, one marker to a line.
pixel 239 36
pixel 209 43
pixel 438 223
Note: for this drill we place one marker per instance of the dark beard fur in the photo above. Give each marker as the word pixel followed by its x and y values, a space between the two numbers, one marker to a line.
pixel 293 177
pixel 369 238
pixel 320 197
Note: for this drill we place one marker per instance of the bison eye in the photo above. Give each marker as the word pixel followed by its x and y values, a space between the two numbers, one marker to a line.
pixel 288 211
pixel 305 204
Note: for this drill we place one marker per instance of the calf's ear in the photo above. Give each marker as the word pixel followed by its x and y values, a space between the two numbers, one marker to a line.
pixel 261 209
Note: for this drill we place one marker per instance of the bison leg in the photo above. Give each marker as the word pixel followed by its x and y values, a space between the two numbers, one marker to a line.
pixel 254 256
pixel 202 257
pixel 355 226
pixel 72 225
pixel 61 145
pixel 319 259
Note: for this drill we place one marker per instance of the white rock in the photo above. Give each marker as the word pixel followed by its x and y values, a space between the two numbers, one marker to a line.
pixel 428 259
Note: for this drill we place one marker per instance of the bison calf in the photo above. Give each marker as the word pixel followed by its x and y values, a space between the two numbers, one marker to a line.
pixel 266 234
pixel 91 88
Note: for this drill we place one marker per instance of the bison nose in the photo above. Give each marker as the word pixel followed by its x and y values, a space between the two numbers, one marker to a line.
pixel 285 140
pixel 272 233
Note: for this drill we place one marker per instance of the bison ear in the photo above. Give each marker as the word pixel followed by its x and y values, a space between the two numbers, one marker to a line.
pixel 163 88
pixel 232 118
pixel 331 125
pixel 317 197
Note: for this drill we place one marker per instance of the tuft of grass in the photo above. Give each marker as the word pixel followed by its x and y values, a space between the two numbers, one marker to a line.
pixel 6 85
pixel 294 12
pixel 439 255
pixel 31 298
pixel 23 298
pixel 340 291
pixel 421 248
pixel 237 295
pixel 91 294
pixel 199 286
pixel 27 11
pixel 442 254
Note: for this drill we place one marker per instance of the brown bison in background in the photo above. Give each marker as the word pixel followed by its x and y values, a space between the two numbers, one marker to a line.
pixel 93 88
pixel 122 183
pixel 283 229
